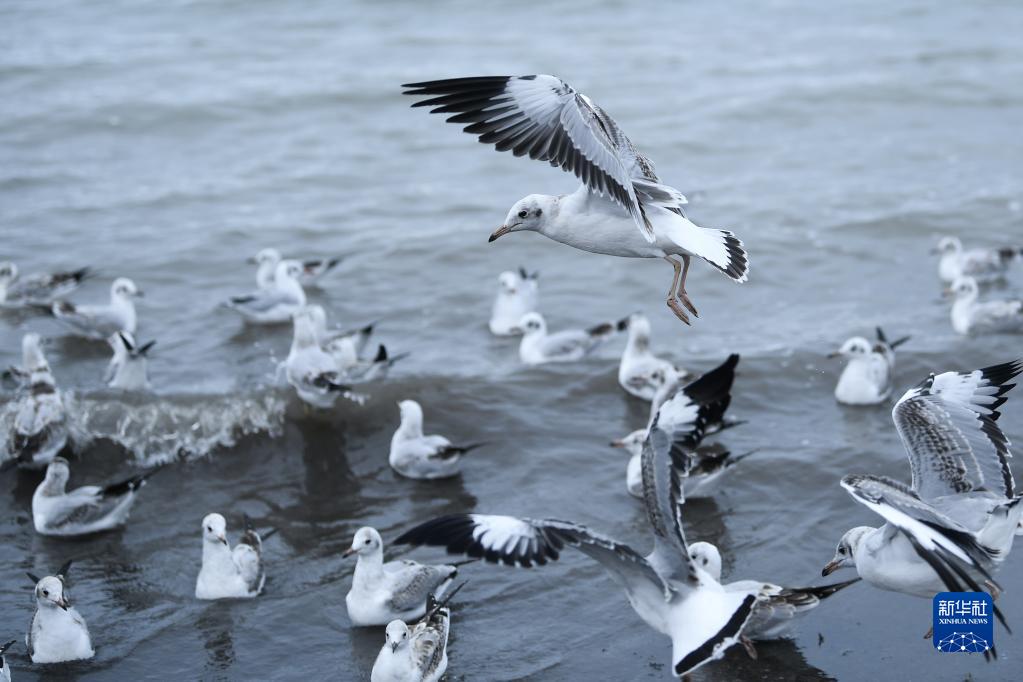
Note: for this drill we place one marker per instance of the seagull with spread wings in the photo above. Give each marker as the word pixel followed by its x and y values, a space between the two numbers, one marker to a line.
pixel 671 592
pixel 955 523
pixel 621 208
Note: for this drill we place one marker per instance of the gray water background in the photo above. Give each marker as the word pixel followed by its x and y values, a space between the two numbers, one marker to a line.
pixel 167 141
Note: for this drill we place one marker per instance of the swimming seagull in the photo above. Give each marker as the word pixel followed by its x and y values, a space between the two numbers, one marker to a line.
pixel 984 264
pixel 538 347
pixel 5 670
pixel 970 315
pixel 641 373
pixel 276 304
pixel 311 370
pixel 311 270
pixel 867 378
pixel 127 368
pixel 85 510
pixel 58 632
pixel 100 321
pixel 517 294
pixel 419 654
pixel 40 427
pixel 776 606
pixel 666 588
pixel 621 208
pixel 36 289
pixel 382 592
pixel 947 530
pixel 229 573
pixel 414 455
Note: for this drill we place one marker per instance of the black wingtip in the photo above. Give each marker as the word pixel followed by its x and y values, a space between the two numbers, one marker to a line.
pixel 381 355
pixel 63 571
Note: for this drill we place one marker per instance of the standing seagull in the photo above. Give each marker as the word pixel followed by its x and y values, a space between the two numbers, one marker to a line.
pixel 40 428
pixel 5 670
pixel 276 304
pixel 777 606
pixel 227 573
pixel 666 588
pixel 414 455
pixel 382 592
pixel 127 370
pixel 419 654
pixel 538 347
pixel 37 289
pixel 970 315
pixel 517 295
pixel 984 264
pixel 57 633
pixel 100 321
pixel 867 378
pixel 957 519
pixel 85 510
pixel 621 208
pixel 641 373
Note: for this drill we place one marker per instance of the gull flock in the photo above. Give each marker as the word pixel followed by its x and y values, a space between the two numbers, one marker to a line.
pixel 950 528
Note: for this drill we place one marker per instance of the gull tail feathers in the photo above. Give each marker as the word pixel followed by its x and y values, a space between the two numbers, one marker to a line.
pixel 720 248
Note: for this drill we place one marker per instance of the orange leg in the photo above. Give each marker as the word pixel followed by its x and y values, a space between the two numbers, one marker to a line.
pixel 672 299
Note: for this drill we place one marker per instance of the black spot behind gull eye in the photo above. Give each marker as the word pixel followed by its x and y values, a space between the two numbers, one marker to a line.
pixel 523 214
pixel 539 212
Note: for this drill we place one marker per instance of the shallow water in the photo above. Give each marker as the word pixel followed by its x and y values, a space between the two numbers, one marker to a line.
pixel 168 141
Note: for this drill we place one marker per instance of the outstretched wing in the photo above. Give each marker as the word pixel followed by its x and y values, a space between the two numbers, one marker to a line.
pixel 948 425
pixel 542 116
pixel 527 542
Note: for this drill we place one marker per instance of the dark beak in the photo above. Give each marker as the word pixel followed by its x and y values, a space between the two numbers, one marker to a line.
pixel 830 568
pixel 251 260
pixel 946 293
pixel 140 293
pixel 63 603
pixel 348 552
pixel 394 647
pixel 832 356
pixel 617 444
pixel 500 232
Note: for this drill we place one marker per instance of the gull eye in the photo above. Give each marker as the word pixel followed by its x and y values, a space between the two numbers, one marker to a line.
pixel 46 593
pixel 209 528
pixel 367 541
pixel 841 550
pixel 523 214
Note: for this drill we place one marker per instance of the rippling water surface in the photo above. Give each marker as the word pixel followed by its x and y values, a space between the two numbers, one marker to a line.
pixel 166 141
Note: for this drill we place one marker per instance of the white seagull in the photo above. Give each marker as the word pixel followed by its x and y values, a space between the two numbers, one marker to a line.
pixel 666 588
pixel 382 592
pixel 414 455
pixel 40 427
pixel 517 294
pixel 227 573
pixel 984 264
pixel 5 670
pixel 58 632
pixel 970 315
pixel 85 510
pixel 347 348
pixel 621 208
pixel 311 270
pixel 641 373
pixel 127 369
pixel 310 369
pixel 419 654
pixel 100 321
pixel 276 304
pixel 36 289
pixel 777 606
pixel 957 520
pixel 539 347
pixel 867 377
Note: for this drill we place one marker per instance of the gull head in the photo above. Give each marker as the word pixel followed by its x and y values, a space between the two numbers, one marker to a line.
pixel 287 269
pixel 267 257
pixel 50 593
pixel 124 288
pixel 366 541
pixel 8 272
pixel 509 282
pixel 963 289
pixel 845 554
pixel 707 558
pixel 857 346
pixel 633 443
pixel 532 323
pixel 948 245
pixel 527 215
pixel 57 474
pixel 396 634
pixel 214 529
pixel 411 413
pixel 32 358
pixel 639 327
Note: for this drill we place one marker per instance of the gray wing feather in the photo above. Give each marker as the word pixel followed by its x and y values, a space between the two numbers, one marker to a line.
pixel 416 585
